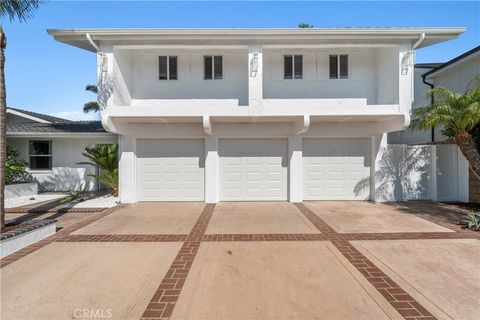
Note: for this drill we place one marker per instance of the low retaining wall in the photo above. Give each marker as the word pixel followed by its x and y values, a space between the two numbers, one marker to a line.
pixel 20 190
pixel 20 238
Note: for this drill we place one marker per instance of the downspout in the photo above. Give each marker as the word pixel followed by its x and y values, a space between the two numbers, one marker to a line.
pixel 105 122
pixel 92 43
pixel 432 100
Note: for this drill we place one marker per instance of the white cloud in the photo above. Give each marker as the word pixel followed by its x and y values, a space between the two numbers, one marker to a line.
pixel 76 115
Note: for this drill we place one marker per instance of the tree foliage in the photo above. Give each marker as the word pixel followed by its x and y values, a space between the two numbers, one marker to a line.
pixel 20 10
pixel 459 117
pixel 305 25
pixel 92 105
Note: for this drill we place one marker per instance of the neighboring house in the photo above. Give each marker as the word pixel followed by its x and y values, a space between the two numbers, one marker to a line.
pixel 254 114
pixel 53 146
pixel 452 173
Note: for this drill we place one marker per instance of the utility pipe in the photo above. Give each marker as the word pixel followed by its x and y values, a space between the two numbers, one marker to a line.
pixel 92 43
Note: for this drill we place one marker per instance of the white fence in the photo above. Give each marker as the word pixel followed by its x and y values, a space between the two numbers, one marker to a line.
pixel 422 172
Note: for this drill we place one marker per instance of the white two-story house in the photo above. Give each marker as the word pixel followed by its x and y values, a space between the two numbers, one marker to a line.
pixel 253 114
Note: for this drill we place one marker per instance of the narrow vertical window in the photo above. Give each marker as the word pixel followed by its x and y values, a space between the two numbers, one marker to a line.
pixel 343 66
pixel 167 68
pixel 208 66
pixel 333 61
pixel 288 67
pixel 217 67
pixel 163 68
pixel 172 68
pixel 213 67
pixel 298 66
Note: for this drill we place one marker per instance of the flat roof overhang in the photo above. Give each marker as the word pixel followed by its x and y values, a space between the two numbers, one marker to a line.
pixel 266 36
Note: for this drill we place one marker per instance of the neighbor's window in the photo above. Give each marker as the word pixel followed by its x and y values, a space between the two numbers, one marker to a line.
pixel 167 66
pixel 338 66
pixel 40 154
pixel 213 66
pixel 293 67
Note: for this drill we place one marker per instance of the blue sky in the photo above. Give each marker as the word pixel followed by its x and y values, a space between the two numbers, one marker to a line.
pixel 49 77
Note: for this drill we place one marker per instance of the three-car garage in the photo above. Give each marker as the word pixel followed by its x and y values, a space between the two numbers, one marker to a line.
pixel 252 169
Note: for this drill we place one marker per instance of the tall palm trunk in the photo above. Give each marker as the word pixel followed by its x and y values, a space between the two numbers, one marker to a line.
pixel 3 126
pixel 465 142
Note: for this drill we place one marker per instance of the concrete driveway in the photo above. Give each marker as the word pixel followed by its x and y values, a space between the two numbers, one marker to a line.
pixel 257 260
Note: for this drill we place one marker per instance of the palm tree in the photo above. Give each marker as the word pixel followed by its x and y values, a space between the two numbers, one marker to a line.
pixel 92 105
pixel 105 158
pixel 20 10
pixel 458 115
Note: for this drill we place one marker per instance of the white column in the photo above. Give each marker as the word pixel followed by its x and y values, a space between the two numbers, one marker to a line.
pixel 378 143
pixel 212 194
pixel 463 177
pixel 255 78
pixel 295 155
pixel 127 169
pixel 433 173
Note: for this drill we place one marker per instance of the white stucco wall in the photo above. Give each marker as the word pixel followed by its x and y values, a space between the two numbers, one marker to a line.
pixel 365 71
pixel 139 70
pixel 66 174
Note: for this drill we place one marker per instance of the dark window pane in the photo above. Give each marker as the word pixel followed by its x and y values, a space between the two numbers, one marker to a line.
pixel 287 67
pixel 298 60
pixel 40 163
pixel 343 66
pixel 207 62
pixel 40 147
pixel 333 67
pixel 172 66
pixel 162 67
pixel 218 67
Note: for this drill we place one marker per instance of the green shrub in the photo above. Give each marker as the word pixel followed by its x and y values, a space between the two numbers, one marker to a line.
pixel 15 168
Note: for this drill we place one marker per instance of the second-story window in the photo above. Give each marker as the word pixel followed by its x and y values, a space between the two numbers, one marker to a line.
pixel 213 66
pixel 293 67
pixel 167 66
pixel 338 66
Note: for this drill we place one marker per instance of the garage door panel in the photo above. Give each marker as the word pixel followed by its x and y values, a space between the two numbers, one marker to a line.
pixel 260 170
pixel 333 167
pixel 170 169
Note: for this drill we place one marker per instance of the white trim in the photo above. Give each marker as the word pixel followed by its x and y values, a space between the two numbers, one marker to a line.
pixel 27 116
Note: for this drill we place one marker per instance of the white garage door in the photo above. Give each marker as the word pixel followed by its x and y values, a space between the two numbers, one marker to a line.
pixel 334 168
pixel 253 169
pixel 171 170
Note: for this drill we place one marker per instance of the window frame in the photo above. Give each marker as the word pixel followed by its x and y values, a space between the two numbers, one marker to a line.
pixel 339 68
pixel 30 155
pixel 213 69
pixel 168 68
pixel 293 57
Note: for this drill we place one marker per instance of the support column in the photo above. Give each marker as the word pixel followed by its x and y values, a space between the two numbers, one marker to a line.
pixel 127 173
pixel 212 194
pixel 255 79
pixel 295 155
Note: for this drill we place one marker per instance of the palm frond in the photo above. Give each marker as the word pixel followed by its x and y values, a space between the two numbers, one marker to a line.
pixel 21 10
pixel 91 106
pixel 92 88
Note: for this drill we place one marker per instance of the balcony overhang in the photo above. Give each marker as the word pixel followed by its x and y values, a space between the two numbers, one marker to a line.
pixel 300 122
